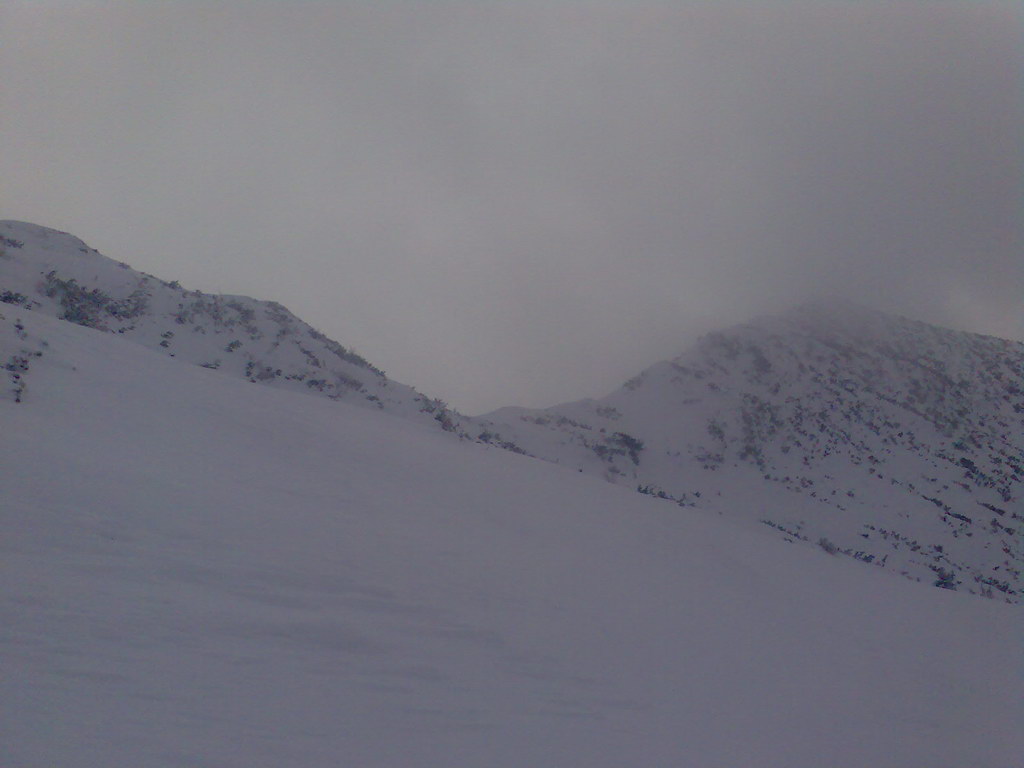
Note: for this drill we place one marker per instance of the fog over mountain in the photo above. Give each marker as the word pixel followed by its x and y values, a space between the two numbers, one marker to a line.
pixel 528 203
pixel 535 384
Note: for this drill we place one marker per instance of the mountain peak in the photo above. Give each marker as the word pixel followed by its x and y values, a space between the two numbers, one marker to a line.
pixel 838 317
pixel 897 441
pixel 49 271
pixel 22 236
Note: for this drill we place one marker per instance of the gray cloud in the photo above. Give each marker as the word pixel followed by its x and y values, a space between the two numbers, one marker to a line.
pixel 524 204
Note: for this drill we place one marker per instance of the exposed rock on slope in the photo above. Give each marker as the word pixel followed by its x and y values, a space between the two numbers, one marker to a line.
pixel 52 272
pixel 892 441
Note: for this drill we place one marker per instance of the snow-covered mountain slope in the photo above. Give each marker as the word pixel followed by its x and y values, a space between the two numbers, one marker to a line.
pixel 891 441
pixel 47 271
pixel 200 572
pixel 895 442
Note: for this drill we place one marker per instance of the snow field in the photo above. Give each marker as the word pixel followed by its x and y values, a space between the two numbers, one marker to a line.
pixel 202 572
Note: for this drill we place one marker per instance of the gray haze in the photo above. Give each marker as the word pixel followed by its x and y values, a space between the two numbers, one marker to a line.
pixel 528 202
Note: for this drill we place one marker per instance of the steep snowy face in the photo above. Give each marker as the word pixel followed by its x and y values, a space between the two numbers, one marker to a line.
pixel 892 441
pixel 43 270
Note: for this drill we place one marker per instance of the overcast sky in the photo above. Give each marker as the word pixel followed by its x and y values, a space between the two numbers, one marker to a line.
pixel 528 202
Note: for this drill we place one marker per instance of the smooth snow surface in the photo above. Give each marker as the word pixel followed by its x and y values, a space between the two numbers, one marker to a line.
pixel 199 572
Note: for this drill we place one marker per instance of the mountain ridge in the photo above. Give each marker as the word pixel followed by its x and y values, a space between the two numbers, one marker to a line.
pixel 884 439
pixel 262 341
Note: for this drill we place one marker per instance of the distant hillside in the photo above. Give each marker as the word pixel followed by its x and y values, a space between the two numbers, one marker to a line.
pixel 52 272
pixel 892 441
